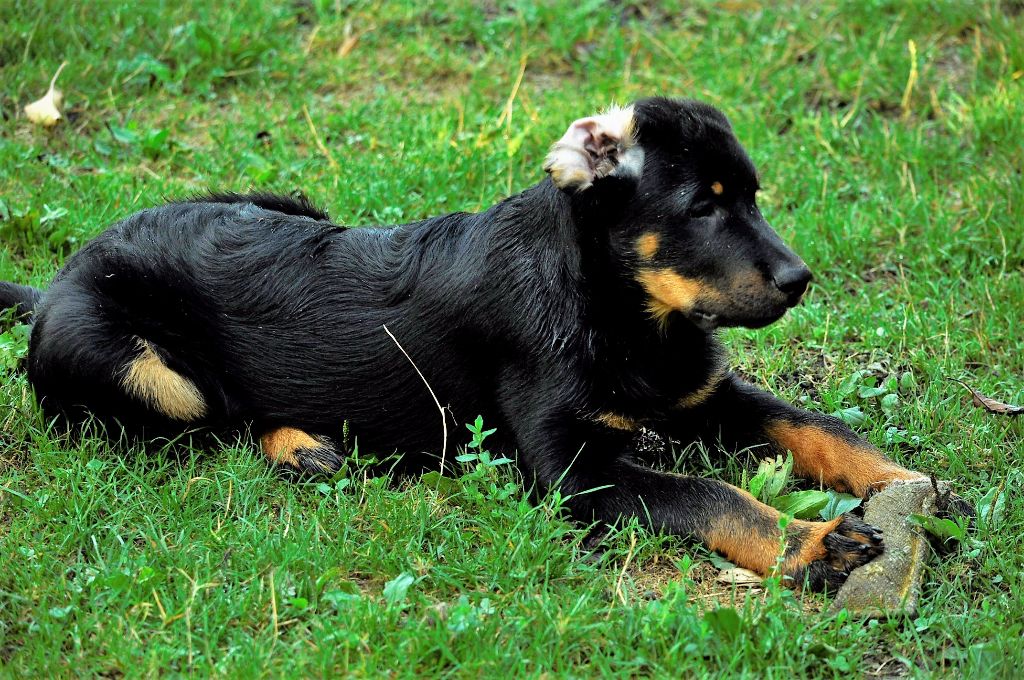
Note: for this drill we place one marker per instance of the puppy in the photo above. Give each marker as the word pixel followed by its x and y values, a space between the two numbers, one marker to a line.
pixel 569 315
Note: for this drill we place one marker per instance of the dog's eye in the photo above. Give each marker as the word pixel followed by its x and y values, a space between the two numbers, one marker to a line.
pixel 702 209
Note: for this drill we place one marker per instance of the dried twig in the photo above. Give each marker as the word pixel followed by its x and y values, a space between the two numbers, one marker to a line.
pixel 440 409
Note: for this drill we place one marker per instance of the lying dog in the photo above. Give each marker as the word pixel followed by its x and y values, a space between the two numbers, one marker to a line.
pixel 569 315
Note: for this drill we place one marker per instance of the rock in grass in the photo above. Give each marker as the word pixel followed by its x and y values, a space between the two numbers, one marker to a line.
pixel 891 583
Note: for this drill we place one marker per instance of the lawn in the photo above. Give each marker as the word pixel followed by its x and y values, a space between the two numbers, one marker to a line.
pixel 888 138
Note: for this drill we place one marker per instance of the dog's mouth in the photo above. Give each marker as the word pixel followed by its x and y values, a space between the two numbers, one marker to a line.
pixel 704 320
pixel 708 321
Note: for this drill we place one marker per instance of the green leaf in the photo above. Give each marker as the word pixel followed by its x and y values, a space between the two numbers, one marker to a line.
pixel 396 589
pixel 123 134
pixel 852 416
pixel 991 507
pixel 725 622
pixel 870 392
pixel 940 527
pixel 838 504
pixel 444 485
pixel 802 504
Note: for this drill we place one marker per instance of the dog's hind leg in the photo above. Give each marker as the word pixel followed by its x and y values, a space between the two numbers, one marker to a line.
pixel 301 451
pixel 84 361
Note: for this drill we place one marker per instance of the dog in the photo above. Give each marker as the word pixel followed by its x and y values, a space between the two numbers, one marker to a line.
pixel 570 315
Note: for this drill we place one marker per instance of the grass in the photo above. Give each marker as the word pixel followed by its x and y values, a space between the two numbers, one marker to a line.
pixel 888 139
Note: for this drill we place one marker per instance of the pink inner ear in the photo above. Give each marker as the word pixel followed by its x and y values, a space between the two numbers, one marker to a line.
pixel 582 132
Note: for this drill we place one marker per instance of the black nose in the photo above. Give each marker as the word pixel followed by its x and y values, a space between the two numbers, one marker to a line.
pixel 792 279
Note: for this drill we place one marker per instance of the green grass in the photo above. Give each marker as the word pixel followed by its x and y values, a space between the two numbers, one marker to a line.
pixel 907 202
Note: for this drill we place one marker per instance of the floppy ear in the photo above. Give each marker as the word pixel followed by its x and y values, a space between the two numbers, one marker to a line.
pixel 596 147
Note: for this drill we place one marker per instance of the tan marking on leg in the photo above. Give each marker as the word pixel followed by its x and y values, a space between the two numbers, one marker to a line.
pixel 149 379
pixel 281 444
pixel 717 188
pixel 618 422
pixel 647 245
pixel 825 458
pixel 749 535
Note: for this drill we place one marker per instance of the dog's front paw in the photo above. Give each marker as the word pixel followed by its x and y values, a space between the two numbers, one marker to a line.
pixel 593 148
pixel 825 557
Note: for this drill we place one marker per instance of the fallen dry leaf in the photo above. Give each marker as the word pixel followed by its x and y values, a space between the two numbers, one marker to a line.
pixel 46 111
pixel 739 577
pixel 991 405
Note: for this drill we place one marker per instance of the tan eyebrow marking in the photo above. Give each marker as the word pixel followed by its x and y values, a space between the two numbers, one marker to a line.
pixel 717 188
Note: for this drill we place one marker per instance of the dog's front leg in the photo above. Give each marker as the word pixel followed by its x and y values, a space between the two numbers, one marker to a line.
pixel 600 485
pixel 824 449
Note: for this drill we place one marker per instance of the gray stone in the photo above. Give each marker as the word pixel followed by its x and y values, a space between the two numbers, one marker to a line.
pixel 891 583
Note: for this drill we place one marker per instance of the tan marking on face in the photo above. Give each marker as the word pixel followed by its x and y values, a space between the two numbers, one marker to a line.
pixel 618 422
pixel 670 292
pixel 647 245
pixel 280 446
pixel 717 188
pixel 835 462
pixel 148 379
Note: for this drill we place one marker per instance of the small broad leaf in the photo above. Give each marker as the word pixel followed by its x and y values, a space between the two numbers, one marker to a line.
pixel 940 527
pixel 991 507
pixel 396 589
pixel 444 485
pixel 738 577
pixel 720 562
pixel 838 504
pixel 989 404
pixel 870 392
pixel 852 416
pixel 46 111
pixel 724 621
pixel 802 504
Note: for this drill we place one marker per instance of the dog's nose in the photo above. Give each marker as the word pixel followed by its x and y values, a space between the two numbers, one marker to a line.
pixel 792 280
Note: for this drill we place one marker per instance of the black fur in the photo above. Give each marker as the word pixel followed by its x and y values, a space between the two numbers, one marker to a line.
pixel 23 299
pixel 531 313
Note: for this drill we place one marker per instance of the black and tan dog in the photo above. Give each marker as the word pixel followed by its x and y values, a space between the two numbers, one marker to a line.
pixel 568 315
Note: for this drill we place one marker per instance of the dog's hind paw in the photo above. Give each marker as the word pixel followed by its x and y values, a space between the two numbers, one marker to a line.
pixel 302 452
pixel 595 147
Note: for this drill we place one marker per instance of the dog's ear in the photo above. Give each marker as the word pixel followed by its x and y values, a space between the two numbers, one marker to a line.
pixel 596 147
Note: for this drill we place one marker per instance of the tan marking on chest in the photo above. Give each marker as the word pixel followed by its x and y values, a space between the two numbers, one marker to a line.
pixel 702 393
pixel 148 379
pixel 647 245
pixel 618 422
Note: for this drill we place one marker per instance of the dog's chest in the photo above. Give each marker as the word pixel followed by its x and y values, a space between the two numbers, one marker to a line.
pixel 655 380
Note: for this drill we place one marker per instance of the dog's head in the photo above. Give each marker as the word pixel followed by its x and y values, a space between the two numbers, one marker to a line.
pixel 690 233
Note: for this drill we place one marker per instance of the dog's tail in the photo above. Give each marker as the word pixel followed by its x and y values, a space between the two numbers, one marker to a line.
pixel 23 298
